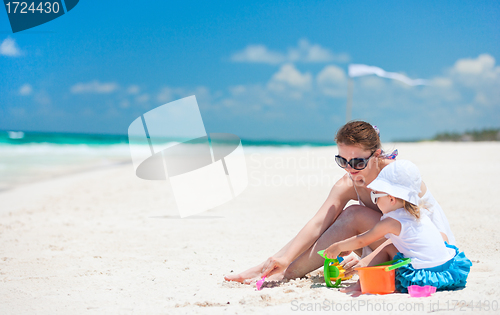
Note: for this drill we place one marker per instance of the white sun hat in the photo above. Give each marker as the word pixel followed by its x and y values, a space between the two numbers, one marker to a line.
pixel 400 179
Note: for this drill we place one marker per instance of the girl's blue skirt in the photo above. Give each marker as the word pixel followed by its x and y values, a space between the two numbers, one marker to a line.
pixel 449 276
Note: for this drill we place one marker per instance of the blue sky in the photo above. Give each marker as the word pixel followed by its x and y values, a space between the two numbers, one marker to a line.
pixel 260 70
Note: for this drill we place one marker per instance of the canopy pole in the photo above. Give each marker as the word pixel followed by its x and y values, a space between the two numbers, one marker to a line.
pixel 348 114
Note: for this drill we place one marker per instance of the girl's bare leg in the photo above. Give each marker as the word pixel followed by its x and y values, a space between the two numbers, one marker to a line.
pixel 352 221
pixel 385 254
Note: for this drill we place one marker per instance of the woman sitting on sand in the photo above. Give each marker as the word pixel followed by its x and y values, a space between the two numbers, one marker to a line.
pixel 360 154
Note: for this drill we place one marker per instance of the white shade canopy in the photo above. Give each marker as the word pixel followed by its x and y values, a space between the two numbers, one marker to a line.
pixel 358 70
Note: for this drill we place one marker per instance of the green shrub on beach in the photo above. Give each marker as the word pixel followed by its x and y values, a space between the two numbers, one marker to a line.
pixel 474 135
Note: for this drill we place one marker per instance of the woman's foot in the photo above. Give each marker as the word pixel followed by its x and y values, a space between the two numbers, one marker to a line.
pixel 252 275
pixel 269 282
pixel 247 276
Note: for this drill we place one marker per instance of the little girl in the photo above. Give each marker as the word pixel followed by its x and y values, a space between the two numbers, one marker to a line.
pixel 433 261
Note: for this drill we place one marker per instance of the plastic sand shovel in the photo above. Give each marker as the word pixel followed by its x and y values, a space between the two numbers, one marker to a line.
pixel 390 266
pixel 260 283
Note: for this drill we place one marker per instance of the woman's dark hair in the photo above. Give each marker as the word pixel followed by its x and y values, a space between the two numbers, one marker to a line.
pixel 359 133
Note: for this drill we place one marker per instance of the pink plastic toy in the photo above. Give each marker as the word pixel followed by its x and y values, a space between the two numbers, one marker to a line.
pixel 259 283
pixel 418 291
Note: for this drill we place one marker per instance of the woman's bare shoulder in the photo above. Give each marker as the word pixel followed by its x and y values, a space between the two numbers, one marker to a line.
pixel 343 190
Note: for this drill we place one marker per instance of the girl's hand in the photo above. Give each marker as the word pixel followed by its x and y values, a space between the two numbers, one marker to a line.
pixel 350 263
pixel 332 252
pixel 274 266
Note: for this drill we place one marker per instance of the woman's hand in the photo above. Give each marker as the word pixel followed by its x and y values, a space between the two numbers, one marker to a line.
pixel 275 266
pixel 350 263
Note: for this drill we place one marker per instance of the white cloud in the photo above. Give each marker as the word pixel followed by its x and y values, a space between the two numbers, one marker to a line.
pixel 478 75
pixel 249 97
pixel 476 72
pixel 25 89
pixel 288 75
pixel 375 83
pixel 43 98
pixel 133 89
pixel 441 82
pixel 481 65
pixel 440 88
pixel 39 96
pixel 287 88
pixel 481 98
pixel 124 104
pixel 202 93
pixel 9 48
pixel 332 81
pixel 258 54
pixel 165 95
pixel 238 89
pixel 142 98
pixel 290 81
pixel 94 87
pixel 304 52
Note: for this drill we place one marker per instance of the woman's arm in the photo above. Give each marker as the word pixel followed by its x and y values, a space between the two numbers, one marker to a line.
pixel 382 228
pixel 340 194
pixel 445 238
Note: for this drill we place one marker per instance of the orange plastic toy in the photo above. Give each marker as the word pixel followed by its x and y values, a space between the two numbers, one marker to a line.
pixel 380 279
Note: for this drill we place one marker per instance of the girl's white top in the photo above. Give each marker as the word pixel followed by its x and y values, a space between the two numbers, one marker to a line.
pixel 437 216
pixel 419 240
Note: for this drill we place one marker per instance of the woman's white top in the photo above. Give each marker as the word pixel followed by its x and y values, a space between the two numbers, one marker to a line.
pixel 437 216
pixel 419 240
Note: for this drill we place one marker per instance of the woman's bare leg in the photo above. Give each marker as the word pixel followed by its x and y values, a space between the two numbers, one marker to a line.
pixel 352 221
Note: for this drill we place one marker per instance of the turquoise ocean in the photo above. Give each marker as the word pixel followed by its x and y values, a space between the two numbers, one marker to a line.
pixel 34 156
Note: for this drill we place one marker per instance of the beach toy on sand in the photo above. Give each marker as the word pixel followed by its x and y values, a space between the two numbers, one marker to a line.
pixel 418 291
pixel 260 283
pixel 333 271
pixel 380 279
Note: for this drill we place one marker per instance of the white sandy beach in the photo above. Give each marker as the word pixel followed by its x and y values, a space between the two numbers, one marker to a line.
pixel 105 241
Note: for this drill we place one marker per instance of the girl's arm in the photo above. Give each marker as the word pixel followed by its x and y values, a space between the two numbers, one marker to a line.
pixel 382 228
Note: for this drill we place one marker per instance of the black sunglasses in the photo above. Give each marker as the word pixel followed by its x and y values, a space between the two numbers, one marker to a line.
pixel 356 163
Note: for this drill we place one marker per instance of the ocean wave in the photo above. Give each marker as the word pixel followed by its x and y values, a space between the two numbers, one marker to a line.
pixel 67 149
